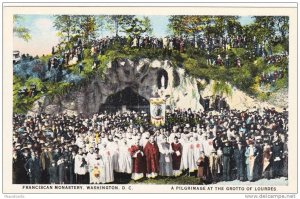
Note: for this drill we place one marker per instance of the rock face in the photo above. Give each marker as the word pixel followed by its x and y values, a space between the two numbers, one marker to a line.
pixel 145 78
pixel 241 101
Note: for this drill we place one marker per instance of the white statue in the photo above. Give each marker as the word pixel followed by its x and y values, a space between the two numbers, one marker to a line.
pixel 162 82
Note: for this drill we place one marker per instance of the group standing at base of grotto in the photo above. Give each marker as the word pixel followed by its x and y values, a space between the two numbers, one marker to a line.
pixel 116 147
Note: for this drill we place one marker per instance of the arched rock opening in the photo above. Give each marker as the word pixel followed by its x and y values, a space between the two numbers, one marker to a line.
pixel 126 98
pixel 162 79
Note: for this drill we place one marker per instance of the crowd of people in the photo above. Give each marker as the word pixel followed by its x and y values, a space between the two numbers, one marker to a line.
pixel 207 44
pixel 271 77
pixel 116 147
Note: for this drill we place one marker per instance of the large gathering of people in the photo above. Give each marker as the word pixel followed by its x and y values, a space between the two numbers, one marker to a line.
pixel 207 44
pixel 214 146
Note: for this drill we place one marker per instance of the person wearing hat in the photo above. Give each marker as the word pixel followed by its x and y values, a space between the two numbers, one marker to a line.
pixel 267 161
pixel 176 156
pixel 239 158
pixel 71 178
pixel 250 155
pixel 277 154
pixel 45 160
pixel 203 168
pixel 138 161
pixel 165 161
pixel 53 178
pixel 107 156
pixel 258 163
pixel 19 172
pixel 152 158
pixel 80 167
pixel 124 160
pixel 285 170
pixel 227 154
pixel 32 167
pixel 214 166
pixel 61 164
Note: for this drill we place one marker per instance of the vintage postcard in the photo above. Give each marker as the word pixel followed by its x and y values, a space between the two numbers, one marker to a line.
pixel 167 98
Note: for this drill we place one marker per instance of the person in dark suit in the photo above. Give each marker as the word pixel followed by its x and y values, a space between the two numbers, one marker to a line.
pixel 70 160
pixel 239 158
pixel 53 173
pixel 45 161
pixel 61 164
pixel 32 167
pixel 227 153
pixel 277 158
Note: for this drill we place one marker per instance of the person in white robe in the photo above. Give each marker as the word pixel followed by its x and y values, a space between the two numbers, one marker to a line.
pixel 125 162
pixel 197 149
pixel 97 171
pixel 184 158
pixel 106 155
pixel 165 160
pixel 207 145
pixel 113 147
pixel 192 162
pixel 80 167
pixel 90 156
pixel 80 141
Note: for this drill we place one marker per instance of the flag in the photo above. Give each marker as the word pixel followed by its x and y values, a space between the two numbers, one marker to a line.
pixel 157 111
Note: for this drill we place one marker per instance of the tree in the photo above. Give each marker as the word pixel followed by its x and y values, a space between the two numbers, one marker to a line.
pixel 187 24
pixel 226 24
pixel 65 25
pixel 269 26
pixel 147 24
pixel 138 26
pixel 118 23
pixel 19 30
pixel 195 24
pixel 100 23
pixel 87 25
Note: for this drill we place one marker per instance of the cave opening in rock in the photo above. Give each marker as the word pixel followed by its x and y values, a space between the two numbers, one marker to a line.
pixel 126 99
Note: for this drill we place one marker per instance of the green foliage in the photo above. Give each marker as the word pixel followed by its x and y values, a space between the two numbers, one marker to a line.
pixel 19 30
pixel 209 25
pixel 193 60
pixel 118 23
pixel 221 88
pixel 263 96
pixel 36 81
pixel 278 48
pixel 66 25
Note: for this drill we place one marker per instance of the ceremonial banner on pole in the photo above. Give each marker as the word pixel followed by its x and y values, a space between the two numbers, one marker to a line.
pixel 157 111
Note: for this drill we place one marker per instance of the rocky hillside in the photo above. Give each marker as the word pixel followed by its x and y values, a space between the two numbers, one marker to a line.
pixel 146 78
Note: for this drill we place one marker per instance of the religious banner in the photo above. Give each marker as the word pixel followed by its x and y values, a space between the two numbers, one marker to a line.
pixel 157 111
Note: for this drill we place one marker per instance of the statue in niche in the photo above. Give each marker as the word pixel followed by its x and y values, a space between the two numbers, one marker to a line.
pixel 162 82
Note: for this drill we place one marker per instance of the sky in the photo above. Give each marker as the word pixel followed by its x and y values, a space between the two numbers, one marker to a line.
pixel 44 34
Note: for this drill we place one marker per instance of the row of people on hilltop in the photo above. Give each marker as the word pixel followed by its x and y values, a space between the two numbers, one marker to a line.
pixel 211 60
pixel 75 54
pixel 105 148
